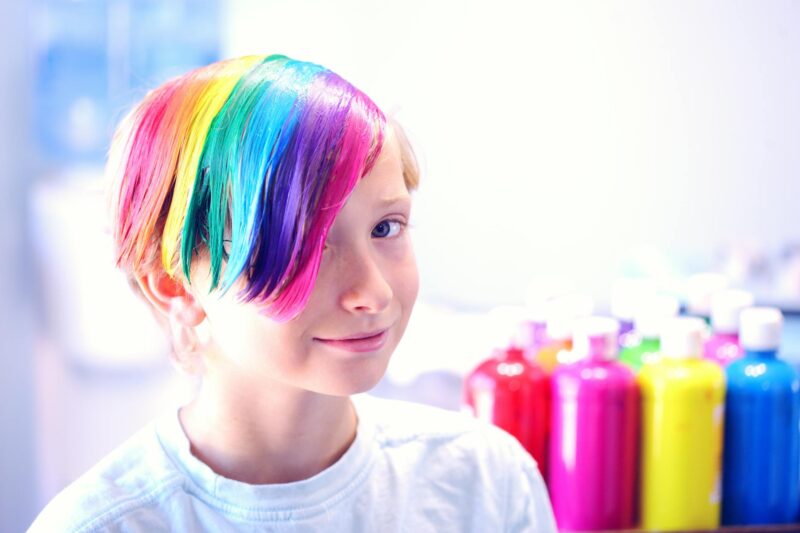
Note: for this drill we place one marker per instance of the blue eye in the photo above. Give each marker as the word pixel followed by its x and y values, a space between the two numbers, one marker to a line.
pixel 387 228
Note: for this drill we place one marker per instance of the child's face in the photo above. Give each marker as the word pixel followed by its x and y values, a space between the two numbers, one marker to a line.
pixel 367 283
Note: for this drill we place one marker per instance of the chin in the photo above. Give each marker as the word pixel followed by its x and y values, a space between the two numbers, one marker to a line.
pixel 353 379
pixel 358 384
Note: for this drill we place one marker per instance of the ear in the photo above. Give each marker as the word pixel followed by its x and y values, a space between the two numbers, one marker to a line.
pixel 172 298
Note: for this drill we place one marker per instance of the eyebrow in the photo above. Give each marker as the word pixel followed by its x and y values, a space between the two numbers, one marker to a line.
pixel 394 200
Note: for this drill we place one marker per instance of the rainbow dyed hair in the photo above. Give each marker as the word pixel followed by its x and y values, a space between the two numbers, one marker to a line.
pixel 250 159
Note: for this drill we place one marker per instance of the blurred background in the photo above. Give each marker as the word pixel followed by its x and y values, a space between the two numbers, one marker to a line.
pixel 564 140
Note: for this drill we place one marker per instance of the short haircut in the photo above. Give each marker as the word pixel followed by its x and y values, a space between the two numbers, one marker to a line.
pixel 248 160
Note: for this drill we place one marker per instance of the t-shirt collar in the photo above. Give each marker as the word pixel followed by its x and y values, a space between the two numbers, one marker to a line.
pixel 308 495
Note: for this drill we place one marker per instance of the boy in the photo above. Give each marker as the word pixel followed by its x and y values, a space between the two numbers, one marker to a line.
pixel 260 207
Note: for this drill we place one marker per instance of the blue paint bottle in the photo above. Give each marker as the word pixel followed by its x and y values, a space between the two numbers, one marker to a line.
pixel 761 458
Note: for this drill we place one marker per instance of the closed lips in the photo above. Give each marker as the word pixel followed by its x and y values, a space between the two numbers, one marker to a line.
pixel 358 336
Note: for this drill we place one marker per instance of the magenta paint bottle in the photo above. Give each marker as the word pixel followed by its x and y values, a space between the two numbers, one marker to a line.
pixel 723 346
pixel 594 433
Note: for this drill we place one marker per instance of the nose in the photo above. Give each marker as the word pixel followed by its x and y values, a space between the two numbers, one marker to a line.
pixel 366 288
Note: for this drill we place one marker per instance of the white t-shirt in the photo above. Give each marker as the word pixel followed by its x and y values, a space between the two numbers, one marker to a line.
pixel 410 468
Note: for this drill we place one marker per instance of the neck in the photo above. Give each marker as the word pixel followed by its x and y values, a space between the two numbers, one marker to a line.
pixel 263 432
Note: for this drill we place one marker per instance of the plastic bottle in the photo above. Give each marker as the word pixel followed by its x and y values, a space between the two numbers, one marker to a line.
pixel 561 314
pixel 539 296
pixel 682 418
pixel 594 435
pixel 700 289
pixel 723 346
pixel 627 295
pixel 511 392
pixel 762 428
pixel 645 344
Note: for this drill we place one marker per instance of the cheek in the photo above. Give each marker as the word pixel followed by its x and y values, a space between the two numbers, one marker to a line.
pixel 406 279
pixel 252 341
pixel 235 334
pixel 323 292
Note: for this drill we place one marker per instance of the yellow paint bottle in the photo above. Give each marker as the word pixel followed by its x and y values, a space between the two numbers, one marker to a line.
pixel 683 400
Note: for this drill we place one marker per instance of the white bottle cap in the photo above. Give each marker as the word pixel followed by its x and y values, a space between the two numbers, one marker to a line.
pixel 699 290
pixel 595 335
pixel 562 312
pixel 654 310
pixel 726 305
pixel 760 328
pixel 541 292
pixel 627 295
pixel 682 337
pixel 504 324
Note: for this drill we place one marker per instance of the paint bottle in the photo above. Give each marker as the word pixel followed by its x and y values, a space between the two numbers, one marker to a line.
pixel 513 393
pixel 761 467
pixel 594 433
pixel 700 289
pixel 682 416
pixel 561 314
pixel 723 346
pixel 539 296
pixel 627 295
pixel 645 344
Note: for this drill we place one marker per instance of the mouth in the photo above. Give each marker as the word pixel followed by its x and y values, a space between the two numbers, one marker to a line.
pixel 359 343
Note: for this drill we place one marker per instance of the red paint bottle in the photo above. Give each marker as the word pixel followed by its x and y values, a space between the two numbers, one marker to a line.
pixel 513 393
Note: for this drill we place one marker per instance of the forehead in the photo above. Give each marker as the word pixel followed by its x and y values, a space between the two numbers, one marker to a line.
pixel 386 176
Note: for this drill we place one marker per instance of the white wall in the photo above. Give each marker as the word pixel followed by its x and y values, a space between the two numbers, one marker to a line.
pixel 567 137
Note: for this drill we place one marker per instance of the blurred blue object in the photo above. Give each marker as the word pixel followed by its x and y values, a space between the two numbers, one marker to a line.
pixel 94 58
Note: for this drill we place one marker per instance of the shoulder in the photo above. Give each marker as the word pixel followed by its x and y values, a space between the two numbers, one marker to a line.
pixel 134 476
pixel 456 460
pixel 400 422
